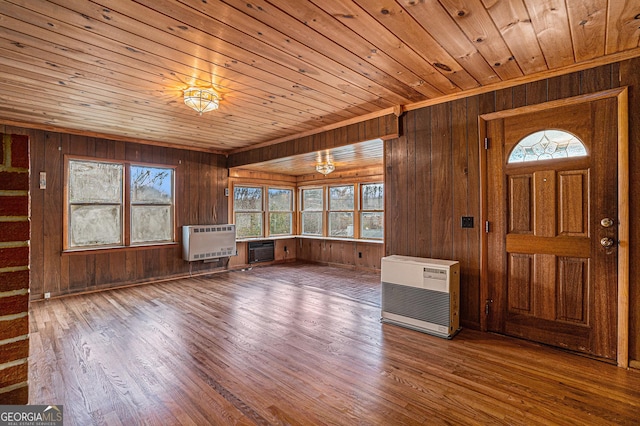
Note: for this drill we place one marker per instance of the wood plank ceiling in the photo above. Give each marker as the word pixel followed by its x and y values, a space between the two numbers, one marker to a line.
pixel 282 67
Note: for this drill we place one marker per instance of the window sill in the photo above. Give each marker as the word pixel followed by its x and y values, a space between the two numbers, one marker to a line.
pixel 278 237
pixel 309 237
pixel 96 250
pixel 355 240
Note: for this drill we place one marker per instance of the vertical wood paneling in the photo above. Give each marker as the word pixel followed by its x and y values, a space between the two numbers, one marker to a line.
pixel 597 79
pixel 421 138
pixel 537 92
pixel 470 283
pixel 437 169
pixel 52 215
pixel 564 86
pixel 415 196
pixel 36 263
pixel 460 179
pixel 396 199
pixel 442 182
pixel 200 182
pixel 339 253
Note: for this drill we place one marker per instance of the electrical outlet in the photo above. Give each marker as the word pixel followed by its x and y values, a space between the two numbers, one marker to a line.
pixel 467 221
pixel 360 254
pixel 47 295
pixel 285 249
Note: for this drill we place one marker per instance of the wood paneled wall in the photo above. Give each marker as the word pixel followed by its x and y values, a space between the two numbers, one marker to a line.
pixel 384 127
pixel 354 254
pixel 284 251
pixel 200 182
pixel 14 269
pixel 432 177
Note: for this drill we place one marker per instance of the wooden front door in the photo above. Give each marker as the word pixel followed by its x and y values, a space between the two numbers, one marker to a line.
pixel 552 233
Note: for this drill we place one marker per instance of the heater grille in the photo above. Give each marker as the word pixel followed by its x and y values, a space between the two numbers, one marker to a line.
pixel 202 242
pixel 417 303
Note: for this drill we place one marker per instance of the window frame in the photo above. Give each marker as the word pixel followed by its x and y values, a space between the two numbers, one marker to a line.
pixel 362 210
pixel 261 211
pixel 323 216
pixel 355 208
pixel 125 205
pixel 265 213
pixel 291 210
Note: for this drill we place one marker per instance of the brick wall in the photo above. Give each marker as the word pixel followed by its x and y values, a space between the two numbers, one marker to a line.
pixel 14 269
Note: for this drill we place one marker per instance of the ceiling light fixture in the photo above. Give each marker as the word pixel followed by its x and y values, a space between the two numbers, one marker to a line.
pixel 201 100
pixel 325 167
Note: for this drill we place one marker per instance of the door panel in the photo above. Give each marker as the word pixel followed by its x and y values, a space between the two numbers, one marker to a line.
pixel 549 277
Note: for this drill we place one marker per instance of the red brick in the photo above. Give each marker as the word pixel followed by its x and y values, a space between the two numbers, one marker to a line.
pixel 13 375
pixel 14 231
pixel 14 304
pixel 14 206
pixel 14 328
pixel 14 351
pixel 20 151
pixel 18 396
pixel 14 181
pixel 16 256
pixel 14 280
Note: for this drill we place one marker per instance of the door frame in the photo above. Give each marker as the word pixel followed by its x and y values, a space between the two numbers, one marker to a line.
pixel 621 93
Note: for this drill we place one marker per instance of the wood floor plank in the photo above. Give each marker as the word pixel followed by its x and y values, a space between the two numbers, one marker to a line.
pixel 298 344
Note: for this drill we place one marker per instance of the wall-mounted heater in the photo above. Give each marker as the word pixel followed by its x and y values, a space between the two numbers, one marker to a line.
pixel 261 251
pixel 204 242
pixel 421 294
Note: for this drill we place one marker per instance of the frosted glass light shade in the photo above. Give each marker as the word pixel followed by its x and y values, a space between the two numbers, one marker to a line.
pixel 325 168
pixel 201 100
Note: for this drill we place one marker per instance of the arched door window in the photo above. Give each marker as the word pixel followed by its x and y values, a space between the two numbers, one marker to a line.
pixel 546 145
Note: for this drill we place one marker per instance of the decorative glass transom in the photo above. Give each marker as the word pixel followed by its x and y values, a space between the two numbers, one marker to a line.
pixel 546 145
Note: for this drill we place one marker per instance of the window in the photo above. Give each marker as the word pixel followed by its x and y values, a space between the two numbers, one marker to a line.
pixel 280 211
pixel 247 205
pixel 96 205
pixel 546 145
pixel 372 211
pixel 311 211
pixel 252 204
pixel 151 204
pixel 341 207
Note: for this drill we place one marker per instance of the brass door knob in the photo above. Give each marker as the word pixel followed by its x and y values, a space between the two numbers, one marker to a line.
pixel 607 222
pixel 606 242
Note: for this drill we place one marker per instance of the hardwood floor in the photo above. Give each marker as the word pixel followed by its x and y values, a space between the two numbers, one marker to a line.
pixel 298 344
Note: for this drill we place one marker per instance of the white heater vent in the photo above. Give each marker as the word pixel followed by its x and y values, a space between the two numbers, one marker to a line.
pixel 422 294
pixel 204 242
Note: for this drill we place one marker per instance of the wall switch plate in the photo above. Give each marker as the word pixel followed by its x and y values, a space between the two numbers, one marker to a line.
pixel 467 221
pixel 43 180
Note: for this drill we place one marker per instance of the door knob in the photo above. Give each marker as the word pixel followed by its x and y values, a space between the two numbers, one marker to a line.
pixel 606 242
pixel 607 222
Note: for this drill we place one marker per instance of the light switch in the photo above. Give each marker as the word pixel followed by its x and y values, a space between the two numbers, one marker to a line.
pixel 43 180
